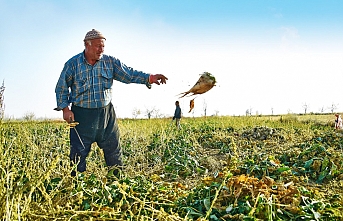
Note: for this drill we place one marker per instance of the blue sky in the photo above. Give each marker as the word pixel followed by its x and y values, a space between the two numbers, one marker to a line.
pixel 265 55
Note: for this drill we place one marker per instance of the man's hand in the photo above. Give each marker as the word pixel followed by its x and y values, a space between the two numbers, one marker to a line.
pixel 157 79
pixel 68 115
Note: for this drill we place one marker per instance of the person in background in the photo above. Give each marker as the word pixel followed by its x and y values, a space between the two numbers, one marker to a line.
pixel 338 122
pixel 177 115
pixel 84 94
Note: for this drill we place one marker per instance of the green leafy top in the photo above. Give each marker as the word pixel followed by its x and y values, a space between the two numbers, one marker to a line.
pixel 210 76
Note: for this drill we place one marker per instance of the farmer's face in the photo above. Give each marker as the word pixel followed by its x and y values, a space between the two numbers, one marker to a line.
pixel 95 50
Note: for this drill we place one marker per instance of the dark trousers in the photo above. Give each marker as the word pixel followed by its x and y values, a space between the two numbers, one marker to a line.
pixel 95 125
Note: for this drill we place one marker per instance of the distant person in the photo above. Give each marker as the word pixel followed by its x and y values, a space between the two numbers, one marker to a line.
pixel 177 115
pixel 84 94
pixel 338 122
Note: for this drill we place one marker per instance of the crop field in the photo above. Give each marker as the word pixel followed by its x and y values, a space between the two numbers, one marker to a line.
pixel 216 168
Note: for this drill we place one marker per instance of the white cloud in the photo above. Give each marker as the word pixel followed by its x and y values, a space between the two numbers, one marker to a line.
pixel 278 15
pixel 275 13
pixel 289 39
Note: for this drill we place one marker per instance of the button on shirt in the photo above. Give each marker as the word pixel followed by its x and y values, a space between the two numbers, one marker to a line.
pixel 90 86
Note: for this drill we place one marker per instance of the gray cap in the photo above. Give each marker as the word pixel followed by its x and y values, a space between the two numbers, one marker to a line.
pixel 94 34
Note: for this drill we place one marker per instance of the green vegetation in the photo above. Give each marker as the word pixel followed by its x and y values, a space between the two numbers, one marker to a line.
pixel 216 168
pixel 211 77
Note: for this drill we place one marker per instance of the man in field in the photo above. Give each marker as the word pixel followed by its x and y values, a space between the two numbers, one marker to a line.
pixel 84 94
pixel 177 114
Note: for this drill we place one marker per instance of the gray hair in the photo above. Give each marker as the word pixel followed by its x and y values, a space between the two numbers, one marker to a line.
pixel 88 42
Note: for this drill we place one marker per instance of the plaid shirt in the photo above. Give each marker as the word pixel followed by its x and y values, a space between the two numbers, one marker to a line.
pixel 90 86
